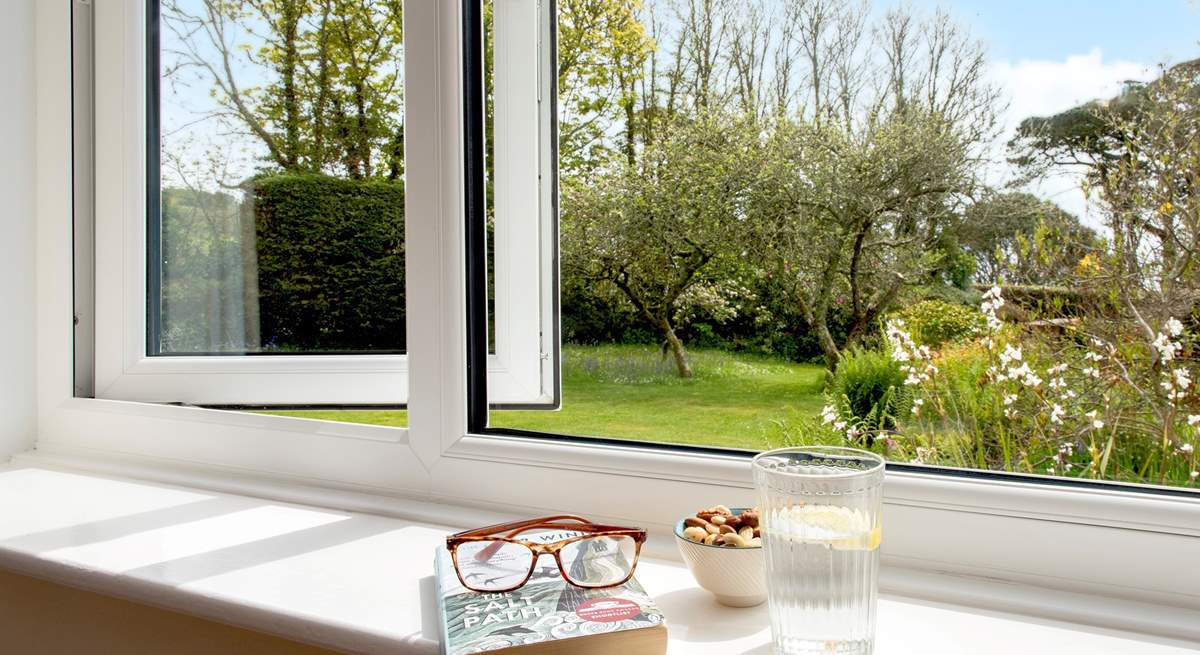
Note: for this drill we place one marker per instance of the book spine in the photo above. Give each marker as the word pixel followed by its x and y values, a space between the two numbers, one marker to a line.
pixel 438 572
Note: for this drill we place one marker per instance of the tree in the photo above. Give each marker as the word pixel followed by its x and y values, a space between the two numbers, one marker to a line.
pixel 1021 239
pixel 660 232
pixel 866 178
pixel 847 224
pixel 1139 154
pixel 317 83
pixel 1151 200
pixel 602 48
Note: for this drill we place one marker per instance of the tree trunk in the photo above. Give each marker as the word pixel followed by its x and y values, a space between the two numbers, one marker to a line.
pixel 317 164
pixel 677 350
pixel 870 314
pixel 828 346
pixel 291 103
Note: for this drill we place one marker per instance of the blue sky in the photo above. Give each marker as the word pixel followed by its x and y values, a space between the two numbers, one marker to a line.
pixel 1147 31
pixel 1050 55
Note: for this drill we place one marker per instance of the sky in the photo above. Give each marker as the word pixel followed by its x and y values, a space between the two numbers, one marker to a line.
pixel 1051 55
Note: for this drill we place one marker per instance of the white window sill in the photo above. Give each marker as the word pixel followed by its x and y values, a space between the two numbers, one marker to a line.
pixel 363 583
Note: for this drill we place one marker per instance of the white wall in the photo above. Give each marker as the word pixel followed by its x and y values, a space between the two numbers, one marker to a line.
pixel 18 410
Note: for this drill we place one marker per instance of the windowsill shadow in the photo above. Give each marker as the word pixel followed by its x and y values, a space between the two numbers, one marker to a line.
pixel 431 620
pixel 290 544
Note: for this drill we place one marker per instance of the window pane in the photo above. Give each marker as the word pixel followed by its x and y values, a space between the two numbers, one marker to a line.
pixel 279 225
pixel 959 234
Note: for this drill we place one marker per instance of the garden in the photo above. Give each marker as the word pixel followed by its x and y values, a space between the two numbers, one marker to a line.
pixel 781 222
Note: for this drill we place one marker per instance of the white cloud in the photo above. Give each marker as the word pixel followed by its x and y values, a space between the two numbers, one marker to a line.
pixel 1045 87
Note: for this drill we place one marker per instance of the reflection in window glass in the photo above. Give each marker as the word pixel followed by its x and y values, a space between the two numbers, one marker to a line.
pixel 280 225
pixel 959 235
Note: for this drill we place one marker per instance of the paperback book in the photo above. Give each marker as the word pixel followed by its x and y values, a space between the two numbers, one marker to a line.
pixel 547 616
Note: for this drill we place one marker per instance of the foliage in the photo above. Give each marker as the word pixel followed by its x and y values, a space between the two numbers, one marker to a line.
pixel 1151 199
pixel 598 313
pixel 1076 405
pixel 602 48
pixel 856 185
pixel 330 263
pixel 1020 239
pixel 945 293
pixel 866 394
pixel 1028 301
pixel 800 429
pixel 318 83
pixel 848 221
pixel 204 288
pixel 659 233
pixel 1139 154
pixel 934 322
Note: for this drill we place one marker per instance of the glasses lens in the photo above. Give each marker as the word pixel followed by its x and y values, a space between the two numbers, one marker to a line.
pixel 599 561
pixel 493 565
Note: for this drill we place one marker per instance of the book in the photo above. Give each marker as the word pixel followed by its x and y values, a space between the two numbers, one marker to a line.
pixel 547 616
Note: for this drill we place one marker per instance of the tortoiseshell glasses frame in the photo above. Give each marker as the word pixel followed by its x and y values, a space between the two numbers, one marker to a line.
pixel 507 533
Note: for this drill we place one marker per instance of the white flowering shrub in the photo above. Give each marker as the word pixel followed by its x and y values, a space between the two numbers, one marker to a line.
pixel 1083 402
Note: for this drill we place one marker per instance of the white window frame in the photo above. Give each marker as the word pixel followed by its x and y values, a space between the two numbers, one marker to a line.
pixel 521 368
pixel 1123 558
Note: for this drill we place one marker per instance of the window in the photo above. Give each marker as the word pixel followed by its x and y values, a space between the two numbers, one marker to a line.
pixel 259 196
pixel 984 524
pixel 260 199
pixel 914 229
pixel 521 195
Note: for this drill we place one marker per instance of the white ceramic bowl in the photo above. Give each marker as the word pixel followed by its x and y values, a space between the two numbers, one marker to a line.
pixel 734 575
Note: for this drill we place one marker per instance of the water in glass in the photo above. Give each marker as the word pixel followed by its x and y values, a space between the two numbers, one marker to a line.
pixel 821 527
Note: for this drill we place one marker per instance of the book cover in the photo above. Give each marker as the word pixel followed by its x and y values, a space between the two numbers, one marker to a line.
pixel 546 609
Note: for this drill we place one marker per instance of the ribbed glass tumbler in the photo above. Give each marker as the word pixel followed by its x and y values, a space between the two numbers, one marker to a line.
pixel 820 516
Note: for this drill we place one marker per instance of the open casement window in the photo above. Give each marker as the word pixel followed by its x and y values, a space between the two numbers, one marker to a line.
pixel 523 359
pixel 250 223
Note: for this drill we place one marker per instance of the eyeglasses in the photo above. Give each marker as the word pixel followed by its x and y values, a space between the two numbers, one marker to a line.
pixel 588 555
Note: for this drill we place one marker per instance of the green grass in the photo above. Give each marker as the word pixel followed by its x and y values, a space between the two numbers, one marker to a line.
pixel 396 418
pixel 734 400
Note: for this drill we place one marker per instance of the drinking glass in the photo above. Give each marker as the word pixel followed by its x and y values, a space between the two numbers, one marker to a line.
pixel 821 524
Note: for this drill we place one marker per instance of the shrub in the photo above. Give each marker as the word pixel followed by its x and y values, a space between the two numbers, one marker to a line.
pixel 330 263
pixel 1108 406
pixel 934 322
pixel 867 392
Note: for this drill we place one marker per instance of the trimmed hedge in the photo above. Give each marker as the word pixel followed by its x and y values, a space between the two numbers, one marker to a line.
pixel 330 263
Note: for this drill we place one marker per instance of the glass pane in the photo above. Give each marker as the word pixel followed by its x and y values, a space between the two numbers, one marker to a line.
pixel 279 225
pixel 959 234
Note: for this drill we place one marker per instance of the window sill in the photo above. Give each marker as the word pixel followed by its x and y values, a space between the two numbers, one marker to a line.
pixel 363 582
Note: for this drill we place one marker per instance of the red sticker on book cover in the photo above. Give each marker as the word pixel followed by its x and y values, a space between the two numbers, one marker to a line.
pixel 608 610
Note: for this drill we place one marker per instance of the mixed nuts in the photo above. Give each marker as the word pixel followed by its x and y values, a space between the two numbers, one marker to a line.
pixel 719 526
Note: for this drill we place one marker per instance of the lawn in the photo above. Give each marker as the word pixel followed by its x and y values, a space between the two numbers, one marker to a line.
pixel 630 392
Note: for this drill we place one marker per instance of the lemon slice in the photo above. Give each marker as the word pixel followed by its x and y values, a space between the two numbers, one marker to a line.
pixel 840 528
